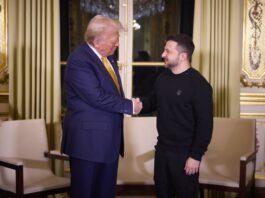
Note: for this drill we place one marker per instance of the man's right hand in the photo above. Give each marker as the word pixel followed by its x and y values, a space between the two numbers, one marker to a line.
pixel 137 106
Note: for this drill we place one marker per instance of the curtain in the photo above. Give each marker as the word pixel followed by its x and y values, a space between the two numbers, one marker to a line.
pixel 34 63
pixel 217 35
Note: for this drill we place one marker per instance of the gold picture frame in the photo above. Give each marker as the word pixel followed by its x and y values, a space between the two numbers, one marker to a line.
pixel 253 68
pixel 3 45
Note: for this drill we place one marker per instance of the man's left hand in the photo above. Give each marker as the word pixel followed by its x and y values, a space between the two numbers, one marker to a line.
pixel 192 166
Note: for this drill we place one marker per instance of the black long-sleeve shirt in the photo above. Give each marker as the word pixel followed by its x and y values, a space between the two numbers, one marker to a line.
pixel 184 112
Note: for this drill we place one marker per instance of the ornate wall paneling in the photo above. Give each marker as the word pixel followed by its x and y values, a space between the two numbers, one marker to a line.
pixel 253 68
pixel 252 97
pixel 3 44
pixel 3 60
pixel 253 106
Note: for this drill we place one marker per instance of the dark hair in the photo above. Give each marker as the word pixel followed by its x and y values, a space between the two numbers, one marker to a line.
pixel 185 43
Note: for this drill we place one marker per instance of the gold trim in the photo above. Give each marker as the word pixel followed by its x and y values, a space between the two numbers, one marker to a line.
pixel 3 43
pixel 63 62
pixel 4 114
pixel 252 99
pixel 253 94
pixel 119 65
pixel 259 176
pixel 252 103
pixel 3 98
pixel 144 64
pixel 4 94
pixel 247 115
pixel 247 83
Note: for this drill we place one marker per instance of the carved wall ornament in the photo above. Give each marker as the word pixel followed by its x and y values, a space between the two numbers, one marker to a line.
pixel 3 44
pixel 253 69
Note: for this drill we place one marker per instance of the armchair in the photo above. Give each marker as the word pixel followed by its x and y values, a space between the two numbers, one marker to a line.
pixel 229 163
pixel 24 170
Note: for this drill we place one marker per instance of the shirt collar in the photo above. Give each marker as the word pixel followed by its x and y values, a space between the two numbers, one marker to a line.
pixel 95 51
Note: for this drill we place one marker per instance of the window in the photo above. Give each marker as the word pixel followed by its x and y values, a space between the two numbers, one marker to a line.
pixel 153 21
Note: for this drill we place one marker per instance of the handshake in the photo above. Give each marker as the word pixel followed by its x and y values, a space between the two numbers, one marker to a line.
pixel 137 106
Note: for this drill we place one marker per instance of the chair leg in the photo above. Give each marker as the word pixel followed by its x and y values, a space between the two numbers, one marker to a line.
pixel 201 192
pixel 43 195
pixel 3 194
pixel 242 194
pixel 252 190
pixel 247 193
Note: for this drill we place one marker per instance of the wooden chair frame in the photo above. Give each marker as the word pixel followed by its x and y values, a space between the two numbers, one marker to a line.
pixel 18 167
pixel 243 190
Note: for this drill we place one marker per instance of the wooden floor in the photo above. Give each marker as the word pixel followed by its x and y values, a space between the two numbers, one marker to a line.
pixel 135 197
pixel 120 196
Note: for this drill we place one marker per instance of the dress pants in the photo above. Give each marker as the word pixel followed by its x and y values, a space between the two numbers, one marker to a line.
pixel 170 178
pixel 92 179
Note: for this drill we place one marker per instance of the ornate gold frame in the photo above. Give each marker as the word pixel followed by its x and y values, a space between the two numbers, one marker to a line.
pixel 253 68
pixel 3 43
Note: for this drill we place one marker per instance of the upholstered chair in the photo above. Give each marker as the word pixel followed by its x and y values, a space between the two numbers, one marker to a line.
pixel 229 163
pixel 24 170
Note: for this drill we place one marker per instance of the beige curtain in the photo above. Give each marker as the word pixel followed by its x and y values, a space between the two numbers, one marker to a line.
pixel 217 35
pixel 34 63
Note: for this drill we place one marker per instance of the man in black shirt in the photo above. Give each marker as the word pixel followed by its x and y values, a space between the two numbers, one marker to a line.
pixel 183 100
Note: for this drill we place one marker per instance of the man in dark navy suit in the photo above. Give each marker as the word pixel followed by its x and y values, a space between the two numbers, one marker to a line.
pixel 93 125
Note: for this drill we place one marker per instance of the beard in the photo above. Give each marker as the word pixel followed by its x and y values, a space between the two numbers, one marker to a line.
pixel 170 65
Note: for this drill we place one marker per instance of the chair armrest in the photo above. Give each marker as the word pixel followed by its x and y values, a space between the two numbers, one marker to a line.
pixel 17 165
pixel 244 160
pixel 10 163
pixel 248 157
pixel 54 154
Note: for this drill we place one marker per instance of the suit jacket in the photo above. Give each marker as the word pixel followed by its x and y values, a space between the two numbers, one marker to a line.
pixel 93 125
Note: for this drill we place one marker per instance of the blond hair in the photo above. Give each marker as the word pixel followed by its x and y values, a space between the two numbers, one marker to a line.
pixel 97 26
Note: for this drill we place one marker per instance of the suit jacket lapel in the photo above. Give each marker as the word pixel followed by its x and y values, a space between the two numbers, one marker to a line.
pixel 95 57
pixel 102 67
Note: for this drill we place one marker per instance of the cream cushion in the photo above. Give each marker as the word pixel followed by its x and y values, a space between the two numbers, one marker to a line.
pixel 232 139
pixel 24 142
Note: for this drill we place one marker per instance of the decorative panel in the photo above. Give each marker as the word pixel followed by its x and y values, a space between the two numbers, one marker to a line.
pixel 3 45
pixel 253 68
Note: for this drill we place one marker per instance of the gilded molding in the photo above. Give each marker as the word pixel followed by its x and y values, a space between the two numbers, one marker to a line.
pixel 253 68
pixel 260 175
pixel 252 94
pixel 252 99
pixel 252 115
pixel 4 98
pixel 63 62
pixel 151 64
pixel 3 43
pixel 252 103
